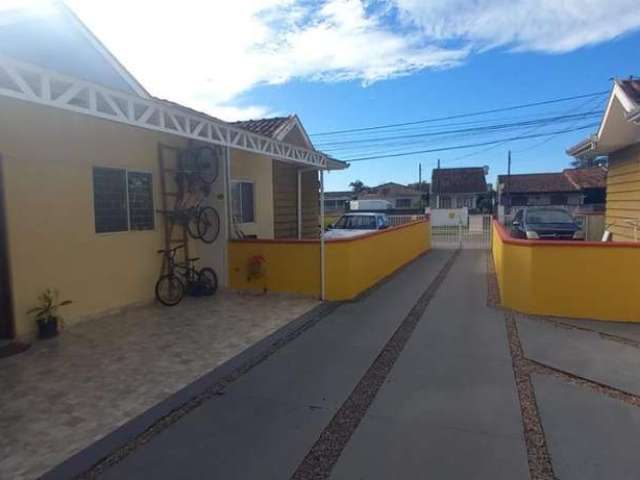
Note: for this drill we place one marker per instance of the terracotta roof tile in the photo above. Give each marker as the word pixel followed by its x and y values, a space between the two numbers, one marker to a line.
pixel 263 126
pixel 569 180
pixel 593 177
pixel 458 180
pixel 632 89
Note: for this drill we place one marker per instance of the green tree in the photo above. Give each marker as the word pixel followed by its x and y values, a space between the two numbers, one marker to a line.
pixel 358 186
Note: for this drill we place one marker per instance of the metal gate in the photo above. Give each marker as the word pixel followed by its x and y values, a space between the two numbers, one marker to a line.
pixel 475 235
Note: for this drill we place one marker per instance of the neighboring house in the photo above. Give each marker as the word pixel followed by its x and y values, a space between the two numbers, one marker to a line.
pixel 574 189
pixel 81 142
pixel 618 137
pixel 336 202
pixel 458 187
pixel 400 196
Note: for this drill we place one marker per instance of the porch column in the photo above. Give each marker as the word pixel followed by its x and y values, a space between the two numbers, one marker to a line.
pixel 322 269
pixel 299 203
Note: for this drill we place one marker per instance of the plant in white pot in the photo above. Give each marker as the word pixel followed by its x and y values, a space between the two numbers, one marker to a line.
pixel 46 313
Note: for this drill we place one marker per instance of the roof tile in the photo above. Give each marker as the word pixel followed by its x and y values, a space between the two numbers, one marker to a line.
pixel 458 180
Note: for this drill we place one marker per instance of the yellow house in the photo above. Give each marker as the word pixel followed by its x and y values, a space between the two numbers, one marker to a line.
pixel 81 183
pixel 618 137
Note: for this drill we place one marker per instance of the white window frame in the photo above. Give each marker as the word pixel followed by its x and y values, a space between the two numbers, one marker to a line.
pixel 126 192
pixel 253 186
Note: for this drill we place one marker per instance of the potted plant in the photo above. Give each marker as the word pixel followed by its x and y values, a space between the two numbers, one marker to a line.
pixel 46 313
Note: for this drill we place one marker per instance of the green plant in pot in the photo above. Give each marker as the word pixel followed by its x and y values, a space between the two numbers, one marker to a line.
pixel 46 313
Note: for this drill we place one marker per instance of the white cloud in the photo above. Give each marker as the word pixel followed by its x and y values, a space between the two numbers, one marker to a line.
pixel 550 26
pixel 206 53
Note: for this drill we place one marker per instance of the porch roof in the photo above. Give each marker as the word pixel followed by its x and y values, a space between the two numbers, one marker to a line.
pixel 620 125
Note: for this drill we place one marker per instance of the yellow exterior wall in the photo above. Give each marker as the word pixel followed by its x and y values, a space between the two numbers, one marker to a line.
pixel 48 157
pixel 597 281
pixel 259 170
pixel 623 193
pixel 352 266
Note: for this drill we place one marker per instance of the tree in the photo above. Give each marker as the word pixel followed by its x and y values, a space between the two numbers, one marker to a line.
pixel 358 187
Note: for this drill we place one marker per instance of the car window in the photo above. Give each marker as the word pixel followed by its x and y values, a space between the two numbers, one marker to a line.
pixel 357 222
pixel 548 216
pixel 518 217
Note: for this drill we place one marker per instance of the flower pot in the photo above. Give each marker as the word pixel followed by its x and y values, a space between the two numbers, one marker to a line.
pixel 47 328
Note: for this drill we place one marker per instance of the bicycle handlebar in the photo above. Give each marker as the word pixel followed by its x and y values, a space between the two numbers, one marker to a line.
pixel 174 249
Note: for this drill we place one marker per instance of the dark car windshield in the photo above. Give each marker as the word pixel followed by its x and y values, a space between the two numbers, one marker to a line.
pixel 357 222
pixel 548 216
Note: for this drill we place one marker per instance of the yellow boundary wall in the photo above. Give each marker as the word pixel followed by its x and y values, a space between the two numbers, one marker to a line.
pixel 593 280
pixel 352 265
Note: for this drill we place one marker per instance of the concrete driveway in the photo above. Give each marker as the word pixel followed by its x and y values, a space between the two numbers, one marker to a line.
pixel 423 377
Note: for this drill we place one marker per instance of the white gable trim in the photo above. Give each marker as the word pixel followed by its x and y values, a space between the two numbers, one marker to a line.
pixel 36 85
pixel 106 54
pixel 290 124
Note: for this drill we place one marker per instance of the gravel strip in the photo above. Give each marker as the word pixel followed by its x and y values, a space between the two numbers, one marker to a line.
pixel 493 289
pixel 216 389
pixel 327 450
pixel 540 467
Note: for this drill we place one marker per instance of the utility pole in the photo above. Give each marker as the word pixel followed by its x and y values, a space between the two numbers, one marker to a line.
pixel 508 175
pixel 438 164
pixel 420 176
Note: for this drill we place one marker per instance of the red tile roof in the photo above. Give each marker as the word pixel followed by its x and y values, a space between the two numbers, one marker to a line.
pixel 458 180
pixel 390 190
pixel 569 180
pixel 263 126
pixel 632 88
pixel 594 177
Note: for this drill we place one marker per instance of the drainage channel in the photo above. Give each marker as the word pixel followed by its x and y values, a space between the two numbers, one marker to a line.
pixel 324 454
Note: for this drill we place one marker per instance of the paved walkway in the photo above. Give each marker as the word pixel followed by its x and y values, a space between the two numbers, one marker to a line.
pixel 417 379
pixel 62 395
pixel 447 410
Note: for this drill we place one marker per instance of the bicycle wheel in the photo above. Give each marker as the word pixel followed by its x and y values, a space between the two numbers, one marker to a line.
pixel 192 224
pixel 208 224
pixel 208 278
pixel 207 160
pixel 169 290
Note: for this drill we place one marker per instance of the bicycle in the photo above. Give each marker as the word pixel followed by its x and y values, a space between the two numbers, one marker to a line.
pixel 201 222
pixel 199 164
pixel 183 278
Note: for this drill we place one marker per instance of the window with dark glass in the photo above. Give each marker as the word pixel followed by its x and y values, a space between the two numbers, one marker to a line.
pixel 140 189
pixel 122 200
pixel 110 200
pixel 243 202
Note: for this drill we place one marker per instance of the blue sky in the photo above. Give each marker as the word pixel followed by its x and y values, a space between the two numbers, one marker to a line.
pixel 342 64
pixel 488 80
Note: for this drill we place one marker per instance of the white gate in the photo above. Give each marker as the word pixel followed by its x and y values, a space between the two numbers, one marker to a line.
pixel 476 234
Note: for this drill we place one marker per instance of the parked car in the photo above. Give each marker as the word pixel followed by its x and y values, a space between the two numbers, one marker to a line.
pixel 545 223
pixel 354 224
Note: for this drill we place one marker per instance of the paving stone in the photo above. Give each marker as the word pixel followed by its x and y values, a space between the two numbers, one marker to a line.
pixel 581 353
pixel 627 330
pixel 231 438
pixel 589 436
pixel 449 408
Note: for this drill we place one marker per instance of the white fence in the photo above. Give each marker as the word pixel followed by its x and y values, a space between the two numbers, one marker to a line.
pixel 449 217
pixel 395 220
pixel 474 235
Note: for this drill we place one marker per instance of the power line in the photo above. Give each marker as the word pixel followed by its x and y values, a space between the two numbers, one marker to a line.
pixel 463 115
pixel 488 128
pixel 459 147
